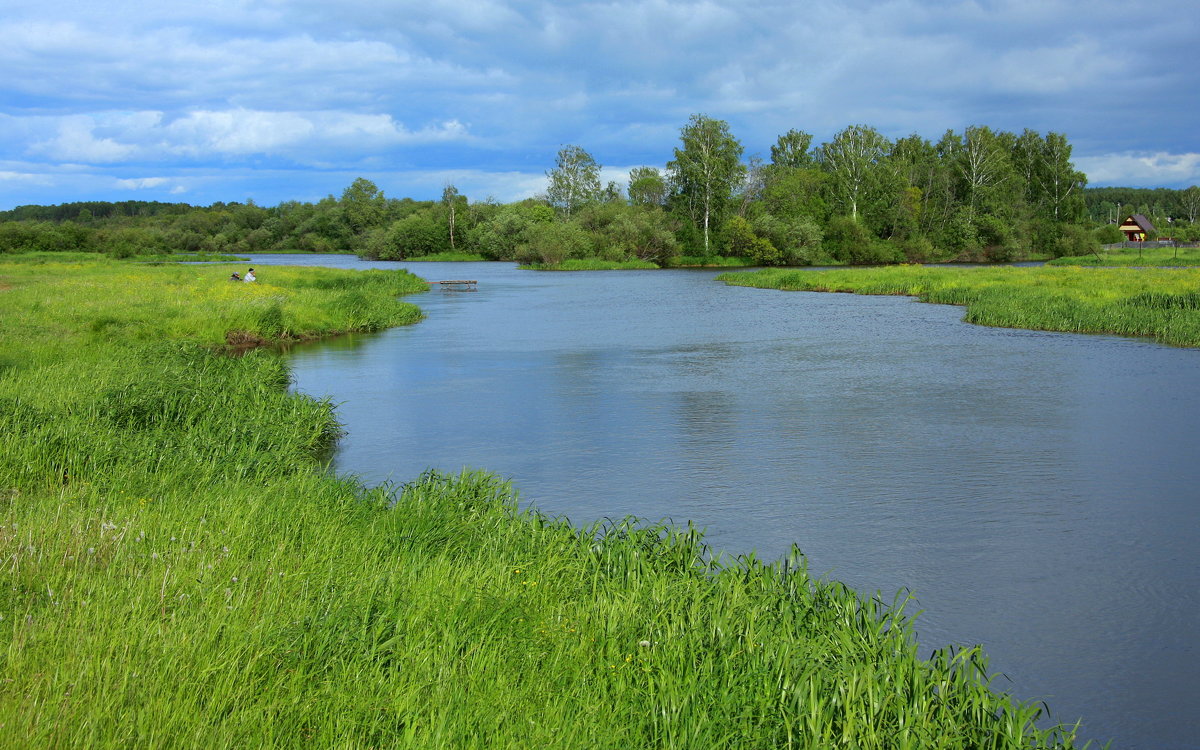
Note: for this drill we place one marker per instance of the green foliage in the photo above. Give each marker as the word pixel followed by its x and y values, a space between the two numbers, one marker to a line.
pixel 647 187
pixel 643 234
pixel 363 206
pixel 553 242
pixel 502 236
pixel 975 194
pixel 1108 234
pixel 574 181
pixel 705 172
pixel 737 237
pixel 799 239
pixel 415 235
pixel 792 151
pixel 1076 240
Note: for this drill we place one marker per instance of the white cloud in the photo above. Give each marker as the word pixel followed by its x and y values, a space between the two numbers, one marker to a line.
pixel 107 138
pixel 1141 169
pixel 76 141
pixel 20 176
pixel 141 183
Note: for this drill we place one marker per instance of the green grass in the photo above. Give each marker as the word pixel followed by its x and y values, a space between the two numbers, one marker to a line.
pixel 592 264
pixel 180 571
pixel 1150 256
pixel 449 257
pixel 187 258
pixel 1127 302
pixel 707 261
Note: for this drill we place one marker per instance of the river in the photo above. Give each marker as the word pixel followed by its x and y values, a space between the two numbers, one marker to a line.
pixel 1035 492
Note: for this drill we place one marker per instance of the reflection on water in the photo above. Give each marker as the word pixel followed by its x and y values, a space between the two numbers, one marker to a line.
pixel 1036 491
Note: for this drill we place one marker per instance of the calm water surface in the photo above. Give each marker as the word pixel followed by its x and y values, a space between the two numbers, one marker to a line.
pixel 1037 492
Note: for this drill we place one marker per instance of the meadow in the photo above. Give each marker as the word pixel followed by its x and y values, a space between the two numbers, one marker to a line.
pixel 1128 256
pixel 180 570
pixel 1163 304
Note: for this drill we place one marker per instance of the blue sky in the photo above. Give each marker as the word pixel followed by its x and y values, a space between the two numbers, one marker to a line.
pixel 292 99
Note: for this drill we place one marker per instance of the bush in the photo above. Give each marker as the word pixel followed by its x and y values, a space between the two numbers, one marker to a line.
pixel 553 243
pixel 848 240
pixel 798 239
pixel 642 234
pixel 737 237
pixel 1074 241
pixel 1108 234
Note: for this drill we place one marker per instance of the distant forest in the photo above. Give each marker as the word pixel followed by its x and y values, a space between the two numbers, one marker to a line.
pixel 860 198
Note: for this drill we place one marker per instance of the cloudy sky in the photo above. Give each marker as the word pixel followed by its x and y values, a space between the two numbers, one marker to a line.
pixel 277 100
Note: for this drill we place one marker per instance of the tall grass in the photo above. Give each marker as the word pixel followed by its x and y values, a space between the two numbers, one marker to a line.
pixel 1129 302
pixel 592 264
pixel 449 257
pixel 1127 256
pixel 706 261
pixel 179 571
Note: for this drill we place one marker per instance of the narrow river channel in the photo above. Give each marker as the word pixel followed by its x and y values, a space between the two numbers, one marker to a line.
pixel 1036 492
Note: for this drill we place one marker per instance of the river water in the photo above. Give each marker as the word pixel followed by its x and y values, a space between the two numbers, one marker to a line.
pixel 1035 492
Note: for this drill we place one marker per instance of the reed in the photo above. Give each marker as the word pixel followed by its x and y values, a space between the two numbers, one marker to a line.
pixel 181 571
pixel 449 257
pixel 592 264
pixel 1154 303
pixel 709 261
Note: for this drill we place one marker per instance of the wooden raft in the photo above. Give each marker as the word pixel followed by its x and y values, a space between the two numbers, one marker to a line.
pixel 469 283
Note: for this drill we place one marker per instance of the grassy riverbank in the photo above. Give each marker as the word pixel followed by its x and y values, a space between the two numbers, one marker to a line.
pixel 592 264
pixel 1126 256
pixel 1163 304
pixel 181 572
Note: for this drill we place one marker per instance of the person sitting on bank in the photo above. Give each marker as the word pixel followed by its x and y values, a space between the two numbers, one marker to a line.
pixel 235 277
pixel 250 276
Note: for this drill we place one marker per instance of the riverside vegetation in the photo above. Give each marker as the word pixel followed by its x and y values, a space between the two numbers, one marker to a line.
pixel 181 571
pixel 859 198
pixel 1163 304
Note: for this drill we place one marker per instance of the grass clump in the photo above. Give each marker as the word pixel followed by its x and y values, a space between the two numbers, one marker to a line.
pixel 180 571
pixel 1129 302
pixel 592 264
pixel 449 257
pixel 709 261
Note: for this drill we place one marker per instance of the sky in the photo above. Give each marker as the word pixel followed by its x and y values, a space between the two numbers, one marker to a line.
pixel 278 100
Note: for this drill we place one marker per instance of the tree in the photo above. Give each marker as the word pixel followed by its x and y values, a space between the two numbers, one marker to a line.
pixel 451 199
pixel 363 206
pixel 647 187
pixel 791 150
pixel 1190 201
pixel 1061 185
pixel 985 165
pixel 849 159
pixel 706 170
pixel 574 181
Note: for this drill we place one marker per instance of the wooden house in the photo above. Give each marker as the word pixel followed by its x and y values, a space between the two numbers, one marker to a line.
pixel 1137 228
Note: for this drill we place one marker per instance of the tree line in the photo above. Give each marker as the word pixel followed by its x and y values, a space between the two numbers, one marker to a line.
pixel 975 194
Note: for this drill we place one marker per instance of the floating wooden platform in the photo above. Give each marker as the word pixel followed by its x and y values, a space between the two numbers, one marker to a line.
pixel 470 283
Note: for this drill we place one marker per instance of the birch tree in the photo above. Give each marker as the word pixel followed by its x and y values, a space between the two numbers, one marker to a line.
pixel 574 181
pixel 706 170
pixel 849 159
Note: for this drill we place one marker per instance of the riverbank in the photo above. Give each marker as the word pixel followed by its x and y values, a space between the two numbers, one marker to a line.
pixel 1153 256
pixel 181 570
pixel 1163 304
